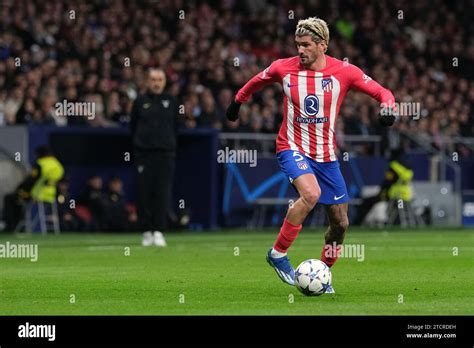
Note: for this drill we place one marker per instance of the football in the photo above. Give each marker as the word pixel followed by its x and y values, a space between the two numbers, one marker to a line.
pixel 313 277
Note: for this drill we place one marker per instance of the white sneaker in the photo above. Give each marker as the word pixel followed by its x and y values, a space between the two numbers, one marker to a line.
pixel 147 238
pixel 159 239
pixel 330 290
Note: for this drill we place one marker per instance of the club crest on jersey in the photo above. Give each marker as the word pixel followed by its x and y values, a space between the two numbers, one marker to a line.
pixel 302 165
pixel 327 84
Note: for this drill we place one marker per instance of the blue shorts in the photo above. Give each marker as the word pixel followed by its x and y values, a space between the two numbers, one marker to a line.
pixel 328 174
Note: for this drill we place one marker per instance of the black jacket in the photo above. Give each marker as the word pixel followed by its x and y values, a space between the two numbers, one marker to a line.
pixel 154 122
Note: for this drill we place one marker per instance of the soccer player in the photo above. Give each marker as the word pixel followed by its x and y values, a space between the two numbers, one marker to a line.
pixel 314 86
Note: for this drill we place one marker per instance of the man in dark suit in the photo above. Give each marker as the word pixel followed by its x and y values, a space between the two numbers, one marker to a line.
pixel 154 124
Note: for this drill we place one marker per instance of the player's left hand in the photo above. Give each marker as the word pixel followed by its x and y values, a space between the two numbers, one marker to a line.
pixel 387 116
pixel 232 112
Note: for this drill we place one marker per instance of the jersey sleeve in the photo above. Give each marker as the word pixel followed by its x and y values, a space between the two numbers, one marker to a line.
pixel 266 77
pixel 364 83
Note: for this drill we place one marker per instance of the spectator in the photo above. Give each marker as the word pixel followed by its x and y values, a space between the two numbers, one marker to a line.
pixel 68 219
pixel 26 112
pixel 95 201
pixel 117 217
pixel 38 186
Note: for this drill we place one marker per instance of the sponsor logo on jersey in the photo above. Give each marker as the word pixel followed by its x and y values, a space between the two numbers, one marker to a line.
pixel 311 105
pixel 311 120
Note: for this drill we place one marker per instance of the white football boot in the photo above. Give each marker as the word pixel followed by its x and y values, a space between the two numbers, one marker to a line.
pixel 159 239
pixel 147 238
pixel 330 290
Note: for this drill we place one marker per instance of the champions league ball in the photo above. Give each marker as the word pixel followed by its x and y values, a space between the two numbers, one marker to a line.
pixel 313 277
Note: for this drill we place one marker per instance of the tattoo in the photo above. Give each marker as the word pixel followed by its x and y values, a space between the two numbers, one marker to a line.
pixel 338 223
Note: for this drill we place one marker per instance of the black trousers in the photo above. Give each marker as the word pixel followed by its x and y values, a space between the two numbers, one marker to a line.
pixel 13 211
pixel 155 171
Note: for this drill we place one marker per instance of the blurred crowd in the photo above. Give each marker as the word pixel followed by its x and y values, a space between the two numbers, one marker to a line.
pixel 98 51
pixel 98 208
pixel 102 206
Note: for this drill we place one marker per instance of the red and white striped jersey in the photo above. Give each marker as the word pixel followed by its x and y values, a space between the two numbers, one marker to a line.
pixel 312 100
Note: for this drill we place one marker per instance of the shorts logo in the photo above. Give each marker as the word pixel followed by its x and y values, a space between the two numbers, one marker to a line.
pixel 302 165
pixel 327 84
pixel 311 105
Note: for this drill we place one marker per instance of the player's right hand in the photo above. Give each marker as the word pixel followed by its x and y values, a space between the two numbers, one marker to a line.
pixel 232 112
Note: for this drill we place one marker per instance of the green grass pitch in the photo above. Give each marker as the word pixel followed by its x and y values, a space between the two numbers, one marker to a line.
pixel 225 273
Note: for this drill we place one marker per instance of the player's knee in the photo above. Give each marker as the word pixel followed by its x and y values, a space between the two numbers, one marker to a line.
pixel 310 198
pixel 337 231
pixel 345 224
pixel 341 225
